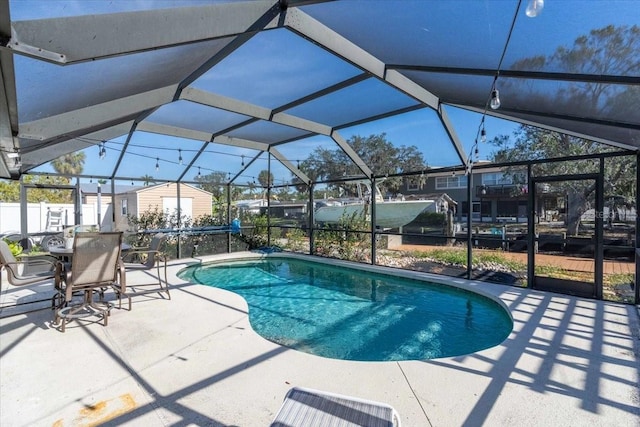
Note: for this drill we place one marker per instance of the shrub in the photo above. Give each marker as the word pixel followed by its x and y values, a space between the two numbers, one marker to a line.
pixel 14 247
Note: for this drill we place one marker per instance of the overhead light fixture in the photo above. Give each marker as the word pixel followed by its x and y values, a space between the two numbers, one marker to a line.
pixel 495 99
pixel 534 8
pixel 15 155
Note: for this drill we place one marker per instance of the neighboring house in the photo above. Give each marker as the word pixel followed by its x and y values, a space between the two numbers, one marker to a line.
pixel 194 202
pixel 494 196
pixel 101 197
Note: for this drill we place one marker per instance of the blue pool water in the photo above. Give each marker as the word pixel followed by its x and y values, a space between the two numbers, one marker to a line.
pixel 350 314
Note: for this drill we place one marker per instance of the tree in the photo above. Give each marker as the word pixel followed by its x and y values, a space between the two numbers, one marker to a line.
pixel 606 51
pixel 531 143
pixel 380 155
pixel 216 184
pixel 147 180
pixel 10 190
pixel 69 164
pixel 265 178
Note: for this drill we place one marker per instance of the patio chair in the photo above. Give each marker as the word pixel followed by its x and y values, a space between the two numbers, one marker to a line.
pixel 146 259
pixel 24 272
pixel 94 267
pixel 313 408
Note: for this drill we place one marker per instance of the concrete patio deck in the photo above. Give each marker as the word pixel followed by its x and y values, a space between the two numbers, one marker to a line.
pixel 194 360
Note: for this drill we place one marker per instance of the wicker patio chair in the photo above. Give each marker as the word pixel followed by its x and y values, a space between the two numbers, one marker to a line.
pixel 305 407
pixel 95 266
pixel 146 259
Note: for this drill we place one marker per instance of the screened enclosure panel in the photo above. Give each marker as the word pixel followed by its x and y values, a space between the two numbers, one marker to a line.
pixel 198 117
pixel 272 76
pixel 39 9
pixel 157 157
pixel 90 83
pixel 420 32
pixel 286 69
pixel 421 130
pixel 356 102
pixel 267 132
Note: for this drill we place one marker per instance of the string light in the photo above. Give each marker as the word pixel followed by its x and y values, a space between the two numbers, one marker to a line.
pixel 483 135
pixel 495 99
pixel 242 160
pixel 157 163
pixel 102 152
pixel 534 8
pixel 180 156
pixel 199 174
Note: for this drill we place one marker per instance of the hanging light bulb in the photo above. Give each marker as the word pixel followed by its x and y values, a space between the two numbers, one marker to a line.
pixel 534 8
pixel 483 135
pixel 199 174
pixel 102 152
pixel 477 152
pixel 157 163
pixel 242 161
pixel 179 156
pixel 495 99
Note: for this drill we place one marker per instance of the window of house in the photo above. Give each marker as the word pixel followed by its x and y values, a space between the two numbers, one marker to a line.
pixel 413 184
pixel 496 178
pixel 449 182
pixel 123 207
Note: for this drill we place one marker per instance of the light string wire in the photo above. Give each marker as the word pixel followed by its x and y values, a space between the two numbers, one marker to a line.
pixel 474 148
pixel 103 144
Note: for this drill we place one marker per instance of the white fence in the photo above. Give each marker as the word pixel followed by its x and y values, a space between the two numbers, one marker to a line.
pixel 37 214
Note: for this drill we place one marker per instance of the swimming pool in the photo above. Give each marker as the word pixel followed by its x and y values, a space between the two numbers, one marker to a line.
pixel 351 314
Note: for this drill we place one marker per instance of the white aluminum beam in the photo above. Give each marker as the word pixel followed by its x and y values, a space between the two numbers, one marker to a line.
pixel 297 172
pixel 342 143
pixel 453 136
pixel 52 151
pixel 225 103
pixel 81 38
pixel 147 126
pixel 251 110
pixel 496 113
pixel 6 132
pixel 239 142
pixel 109 112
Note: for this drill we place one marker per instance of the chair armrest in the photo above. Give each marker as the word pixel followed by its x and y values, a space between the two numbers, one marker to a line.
pixel 37 261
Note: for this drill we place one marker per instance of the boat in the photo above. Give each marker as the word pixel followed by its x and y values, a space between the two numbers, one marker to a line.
pixel 389 213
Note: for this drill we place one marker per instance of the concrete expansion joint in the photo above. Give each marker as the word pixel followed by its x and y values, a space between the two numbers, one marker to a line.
pixel 414 394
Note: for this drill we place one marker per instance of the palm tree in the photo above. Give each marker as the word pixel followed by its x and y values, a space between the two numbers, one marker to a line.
pixel 69 164
pixel 147 180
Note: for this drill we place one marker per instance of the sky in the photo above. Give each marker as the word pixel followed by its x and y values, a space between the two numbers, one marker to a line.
pixel 257 74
